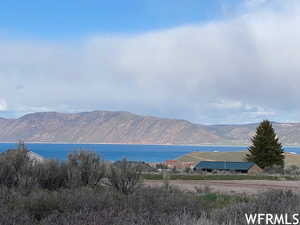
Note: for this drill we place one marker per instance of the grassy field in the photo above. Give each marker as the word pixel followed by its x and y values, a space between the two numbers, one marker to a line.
pixel 290 159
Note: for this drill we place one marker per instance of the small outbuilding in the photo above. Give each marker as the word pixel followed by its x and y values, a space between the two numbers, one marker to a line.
pixel 238 167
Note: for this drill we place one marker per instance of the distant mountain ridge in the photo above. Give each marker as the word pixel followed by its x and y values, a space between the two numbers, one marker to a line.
pixel 128 128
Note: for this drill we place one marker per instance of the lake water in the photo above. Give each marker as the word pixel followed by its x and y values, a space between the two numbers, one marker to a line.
pixel 113 152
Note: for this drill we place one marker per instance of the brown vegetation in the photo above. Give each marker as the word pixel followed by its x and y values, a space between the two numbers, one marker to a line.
pixel 86 191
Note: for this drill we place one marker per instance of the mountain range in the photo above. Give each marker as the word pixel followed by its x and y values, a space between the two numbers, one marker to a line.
pixel 128 128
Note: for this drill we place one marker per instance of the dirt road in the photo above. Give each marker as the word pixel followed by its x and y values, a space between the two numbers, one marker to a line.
pixel 234 186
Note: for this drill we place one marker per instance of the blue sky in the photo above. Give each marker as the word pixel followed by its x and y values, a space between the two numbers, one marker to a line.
pixel 207 61
pixel 73 19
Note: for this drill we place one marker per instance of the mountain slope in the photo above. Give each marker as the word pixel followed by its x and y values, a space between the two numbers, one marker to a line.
pixel 103 127
pixel 288 133
pixel 128 128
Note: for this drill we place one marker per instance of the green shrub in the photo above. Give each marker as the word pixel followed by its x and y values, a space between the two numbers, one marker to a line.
pixel 16 169
pixel 125 178
pixel 52 174
pixel 85 168
pixel 41 204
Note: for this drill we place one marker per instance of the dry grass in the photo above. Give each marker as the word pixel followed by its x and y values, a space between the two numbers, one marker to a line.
pixel 212 156
pixel 230 186
pixel 290 159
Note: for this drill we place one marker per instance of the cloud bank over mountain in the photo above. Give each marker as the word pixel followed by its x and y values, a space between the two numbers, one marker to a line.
pixel 241 69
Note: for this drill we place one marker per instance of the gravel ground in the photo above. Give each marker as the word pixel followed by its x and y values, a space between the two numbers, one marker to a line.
pixel 234 186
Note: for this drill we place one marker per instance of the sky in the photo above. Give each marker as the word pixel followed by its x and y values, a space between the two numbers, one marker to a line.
pixel 208 61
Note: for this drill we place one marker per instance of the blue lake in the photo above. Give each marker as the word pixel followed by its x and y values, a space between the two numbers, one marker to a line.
pixel 147 153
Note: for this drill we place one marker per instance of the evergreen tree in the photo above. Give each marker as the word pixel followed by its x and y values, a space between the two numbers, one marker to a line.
pixel 266 150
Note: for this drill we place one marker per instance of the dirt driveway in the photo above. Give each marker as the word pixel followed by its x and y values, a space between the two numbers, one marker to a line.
pixel 234 186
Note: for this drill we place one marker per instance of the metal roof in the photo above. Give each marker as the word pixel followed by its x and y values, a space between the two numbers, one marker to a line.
pixel 224 165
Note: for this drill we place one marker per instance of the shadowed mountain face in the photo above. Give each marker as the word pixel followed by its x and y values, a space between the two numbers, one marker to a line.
pixel 124 127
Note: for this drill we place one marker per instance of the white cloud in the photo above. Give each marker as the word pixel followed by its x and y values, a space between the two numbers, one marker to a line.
pixel 227 104
pixel 256 3
pixel 3 105
pixel 246 66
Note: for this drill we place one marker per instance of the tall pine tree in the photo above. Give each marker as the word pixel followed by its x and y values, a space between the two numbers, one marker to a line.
pixel 266 150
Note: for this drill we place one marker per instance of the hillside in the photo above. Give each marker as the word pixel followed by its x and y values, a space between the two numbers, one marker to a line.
pixel 290 159
pixel 103 127
pixel 128 128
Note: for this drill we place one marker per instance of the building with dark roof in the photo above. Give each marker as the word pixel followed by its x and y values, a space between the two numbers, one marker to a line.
pixel 238 167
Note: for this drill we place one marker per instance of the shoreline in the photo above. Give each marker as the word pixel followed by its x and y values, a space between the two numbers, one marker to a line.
pixel 108 143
